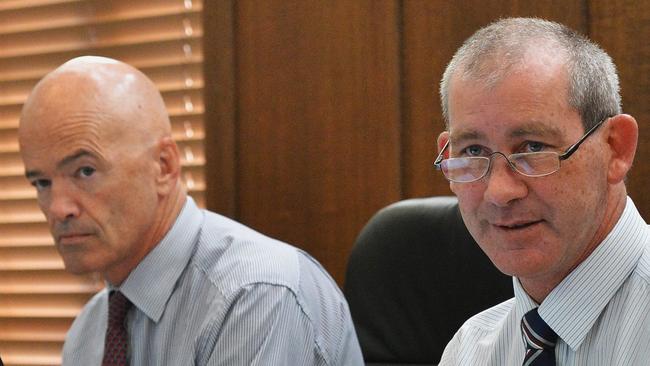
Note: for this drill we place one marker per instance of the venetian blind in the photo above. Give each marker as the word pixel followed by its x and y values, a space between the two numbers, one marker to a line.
pixel 38 299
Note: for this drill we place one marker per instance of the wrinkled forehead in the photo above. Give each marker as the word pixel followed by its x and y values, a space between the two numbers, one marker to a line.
pixel 49 115
pixel 521 105
pixel 55 124
pixel 501 125
pixel 46 142
pixel 506 131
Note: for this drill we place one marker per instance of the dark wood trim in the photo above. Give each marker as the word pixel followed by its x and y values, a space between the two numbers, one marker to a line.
pixel 220 106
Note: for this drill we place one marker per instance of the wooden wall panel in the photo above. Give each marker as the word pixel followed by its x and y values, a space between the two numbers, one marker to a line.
pixel 318 113
pixel 622 28
pixel 433 31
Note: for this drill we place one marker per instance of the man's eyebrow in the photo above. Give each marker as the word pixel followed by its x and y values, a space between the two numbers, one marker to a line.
pixel 529 129
pixel 465 135
pixel 29 174
pixel 536 129
pixel 71 158
pixel 65 161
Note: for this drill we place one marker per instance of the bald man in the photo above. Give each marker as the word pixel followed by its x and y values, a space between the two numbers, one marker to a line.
pixel 184 286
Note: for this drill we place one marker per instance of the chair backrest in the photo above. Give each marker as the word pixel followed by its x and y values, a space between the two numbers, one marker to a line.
pixel 414 276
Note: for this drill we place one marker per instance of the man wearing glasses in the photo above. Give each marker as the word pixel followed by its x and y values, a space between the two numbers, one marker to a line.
pixel 537 151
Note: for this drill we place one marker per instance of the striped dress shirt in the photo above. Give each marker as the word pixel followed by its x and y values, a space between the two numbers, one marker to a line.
pixel 600 311
pixel 214 292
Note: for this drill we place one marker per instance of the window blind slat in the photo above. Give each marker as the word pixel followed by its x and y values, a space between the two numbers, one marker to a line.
pixel 46 281
pixel 142 56
pixel 188 127
pixel 45 354
pixel 19 211
pixel 70 14
pixel 8 140
pixel 10 164
pixel 111 7
pixel 92 47
pixel 44 258
pixel 57 14
pixel 45 306
pixel 23 329
pixel 8 5
pixel 20 239
pixel 128 8
pixel 15 187
pixel 9 115
pixel 175 26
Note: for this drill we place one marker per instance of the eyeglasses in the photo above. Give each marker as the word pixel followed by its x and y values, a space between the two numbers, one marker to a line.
pixel 535 164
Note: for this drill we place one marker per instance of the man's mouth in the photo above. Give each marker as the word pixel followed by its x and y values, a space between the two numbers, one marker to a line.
pixel 72 238
pixel 517 225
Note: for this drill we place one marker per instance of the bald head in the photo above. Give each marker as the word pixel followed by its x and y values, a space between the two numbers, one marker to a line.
pixel 116 92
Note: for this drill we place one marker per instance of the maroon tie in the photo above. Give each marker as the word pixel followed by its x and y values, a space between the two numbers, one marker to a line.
pixel 117 338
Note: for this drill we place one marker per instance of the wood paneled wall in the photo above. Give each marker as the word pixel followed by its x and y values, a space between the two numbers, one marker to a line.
pixel 319 113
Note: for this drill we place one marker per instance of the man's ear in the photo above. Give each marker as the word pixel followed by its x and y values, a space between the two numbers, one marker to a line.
pixel 623 133
pixel 170 165
pixel 442 140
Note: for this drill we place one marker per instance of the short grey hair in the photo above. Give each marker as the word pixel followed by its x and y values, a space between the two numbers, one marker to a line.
pixel 492 51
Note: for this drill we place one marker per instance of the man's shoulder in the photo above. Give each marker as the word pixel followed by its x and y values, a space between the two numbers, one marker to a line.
pixel 95 305
pixel 87 329
pixel 237 260
pixel 231 255
pixel 491 319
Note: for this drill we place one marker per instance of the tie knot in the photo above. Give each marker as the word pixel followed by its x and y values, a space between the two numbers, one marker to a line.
pixel 118 306
pixel 537 334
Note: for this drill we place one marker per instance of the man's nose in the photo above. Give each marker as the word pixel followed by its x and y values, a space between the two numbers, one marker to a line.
pixel 62 204
pixel 504 184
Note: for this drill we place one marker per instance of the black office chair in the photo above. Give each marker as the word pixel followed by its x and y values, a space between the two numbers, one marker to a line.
pixel 414 276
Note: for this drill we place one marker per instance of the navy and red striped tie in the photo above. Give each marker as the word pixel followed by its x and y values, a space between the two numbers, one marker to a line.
pixel 540 340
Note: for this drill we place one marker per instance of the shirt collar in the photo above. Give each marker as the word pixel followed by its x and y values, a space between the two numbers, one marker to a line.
pixel 149 286
pixel 574 305
pixel 524 302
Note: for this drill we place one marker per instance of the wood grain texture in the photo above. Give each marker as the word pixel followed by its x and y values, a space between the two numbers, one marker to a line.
pixel 219 76
pixel 318 124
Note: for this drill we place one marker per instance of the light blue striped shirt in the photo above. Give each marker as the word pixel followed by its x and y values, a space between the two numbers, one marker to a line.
pixel 601 310
pixel 214 292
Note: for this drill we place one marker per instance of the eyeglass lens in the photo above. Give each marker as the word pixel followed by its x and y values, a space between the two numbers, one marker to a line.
pixel 473 168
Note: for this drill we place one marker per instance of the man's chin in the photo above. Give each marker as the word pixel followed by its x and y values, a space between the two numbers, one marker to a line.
pixel 78 271
pixel 77 267
pixel 521 261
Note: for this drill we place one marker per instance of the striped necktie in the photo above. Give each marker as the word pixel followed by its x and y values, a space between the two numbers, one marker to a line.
pixel 539 339
pixel 117 339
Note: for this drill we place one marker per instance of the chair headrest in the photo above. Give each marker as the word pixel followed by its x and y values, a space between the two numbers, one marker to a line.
pixel 414 276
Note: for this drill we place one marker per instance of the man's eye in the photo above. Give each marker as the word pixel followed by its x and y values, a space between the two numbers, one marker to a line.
pixel 86 171
pixel 474 150
pixel 41 184
pixel 534 146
